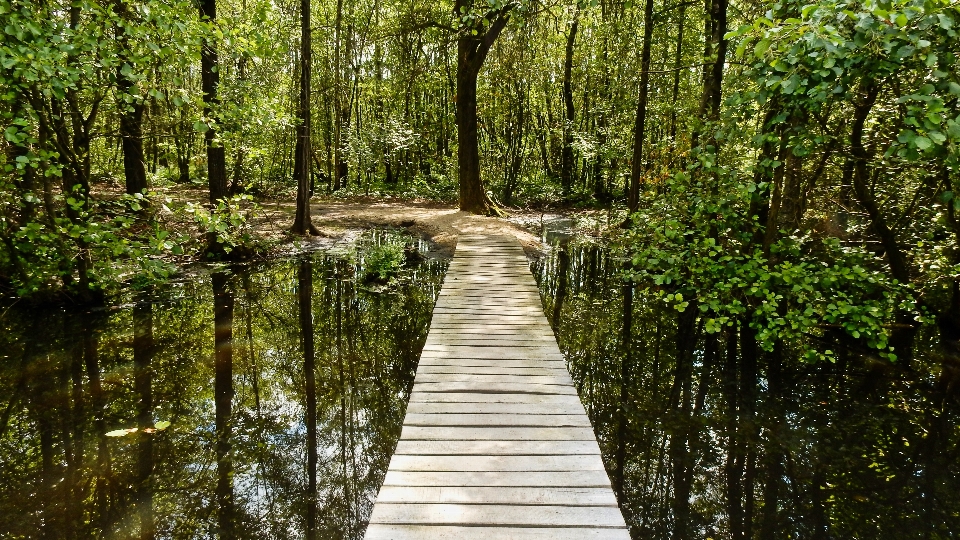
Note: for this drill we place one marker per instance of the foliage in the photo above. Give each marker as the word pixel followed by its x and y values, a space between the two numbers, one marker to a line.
pixel 228 223
pixel 789 229
pixel 383 259
pixel 113 236
pixel 798 292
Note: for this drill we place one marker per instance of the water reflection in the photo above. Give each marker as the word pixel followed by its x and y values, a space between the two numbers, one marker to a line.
pixel 284 387
pixel 707 436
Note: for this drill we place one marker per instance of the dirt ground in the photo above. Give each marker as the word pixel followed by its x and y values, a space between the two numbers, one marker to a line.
pixel 437 222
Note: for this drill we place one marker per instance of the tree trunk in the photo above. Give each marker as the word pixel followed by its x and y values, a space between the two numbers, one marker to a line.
pixel 143 351
pixel 131 114
pixel 473 198
pixel 566 153
pixel 302 223
pixel 640 126
pixel 223 402
pixel 131 133
pixel 677 59
pixel 623 417
pixel 339 163
pixel 305 296
pixel 210 81
pixel 471 53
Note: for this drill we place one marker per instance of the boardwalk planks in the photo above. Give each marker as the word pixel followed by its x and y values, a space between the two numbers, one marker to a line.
pixel 495 442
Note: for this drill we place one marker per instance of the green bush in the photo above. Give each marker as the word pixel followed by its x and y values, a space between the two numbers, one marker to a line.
pixel 383 262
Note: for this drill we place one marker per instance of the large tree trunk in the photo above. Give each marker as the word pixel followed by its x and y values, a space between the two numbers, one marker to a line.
pixel 473 198
pixel 302 164
pixel 471 53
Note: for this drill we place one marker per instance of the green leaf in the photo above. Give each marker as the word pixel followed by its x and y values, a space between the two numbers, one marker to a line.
pixel 761 47
pixel 162 425
pixel 201 127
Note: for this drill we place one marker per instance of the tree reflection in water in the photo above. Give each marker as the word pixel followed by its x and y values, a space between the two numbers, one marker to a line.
pixel 266 440
pixel 708 436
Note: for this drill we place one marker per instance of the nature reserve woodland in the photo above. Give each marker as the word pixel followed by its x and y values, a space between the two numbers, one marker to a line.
pixel 778 179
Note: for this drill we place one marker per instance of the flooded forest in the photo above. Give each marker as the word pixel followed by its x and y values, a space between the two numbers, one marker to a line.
pixel 224 225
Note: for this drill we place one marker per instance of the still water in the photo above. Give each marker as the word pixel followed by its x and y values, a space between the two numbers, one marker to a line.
pixel 265 401
pixel 705 438
pixel 191 412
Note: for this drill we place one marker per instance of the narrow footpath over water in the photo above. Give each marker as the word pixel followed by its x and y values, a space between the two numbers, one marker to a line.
pixel 495 442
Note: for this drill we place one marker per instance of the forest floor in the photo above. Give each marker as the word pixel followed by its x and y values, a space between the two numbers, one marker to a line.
pixel 340 220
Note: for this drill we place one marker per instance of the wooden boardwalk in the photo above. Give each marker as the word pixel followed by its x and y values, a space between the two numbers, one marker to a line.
pixel 495 443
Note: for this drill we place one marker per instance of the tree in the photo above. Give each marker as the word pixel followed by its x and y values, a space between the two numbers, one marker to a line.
pixel 210 82
pixel 640 127
pixel 566 153
pixel 478 31
pixel 303 164
pixel 131 104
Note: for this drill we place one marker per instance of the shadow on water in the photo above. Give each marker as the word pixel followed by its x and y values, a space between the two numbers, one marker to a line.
pixel 705 436
pixel 252 403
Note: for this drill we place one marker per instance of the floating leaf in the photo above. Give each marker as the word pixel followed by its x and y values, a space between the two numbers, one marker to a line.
pixel 121 432
pixel 162 425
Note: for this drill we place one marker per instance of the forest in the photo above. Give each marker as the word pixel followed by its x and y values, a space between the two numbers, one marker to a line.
pixel 777 180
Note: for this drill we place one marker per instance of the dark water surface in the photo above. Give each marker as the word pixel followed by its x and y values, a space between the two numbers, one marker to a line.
pixel 728 446
pixel 252 433
pixel 191 412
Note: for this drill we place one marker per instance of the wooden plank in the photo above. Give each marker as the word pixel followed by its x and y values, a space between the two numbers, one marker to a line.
pixel 492 318
pixel 496 419
pixel 445 323
pixel 502 310
pixel 444 433
pixel 530 363
pixel 489 353
pixel 493 329
pixel 474 342
pixel 406 462
pixel 429 369
pixel 529 339
pixel 488 478
pixel 377 531
pixel 508 515
pixel 531 349
pixel 480 387
pixel 494 379
pixel 493 448
pixel 572 407
pixel 499 495
pixel 422 396
pixel 469 326
pixel 488 307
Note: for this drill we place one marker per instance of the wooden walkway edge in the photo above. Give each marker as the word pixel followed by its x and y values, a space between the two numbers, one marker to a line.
pixel 495 443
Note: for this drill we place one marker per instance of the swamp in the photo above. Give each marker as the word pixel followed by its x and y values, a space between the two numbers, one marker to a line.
pixel 225 226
